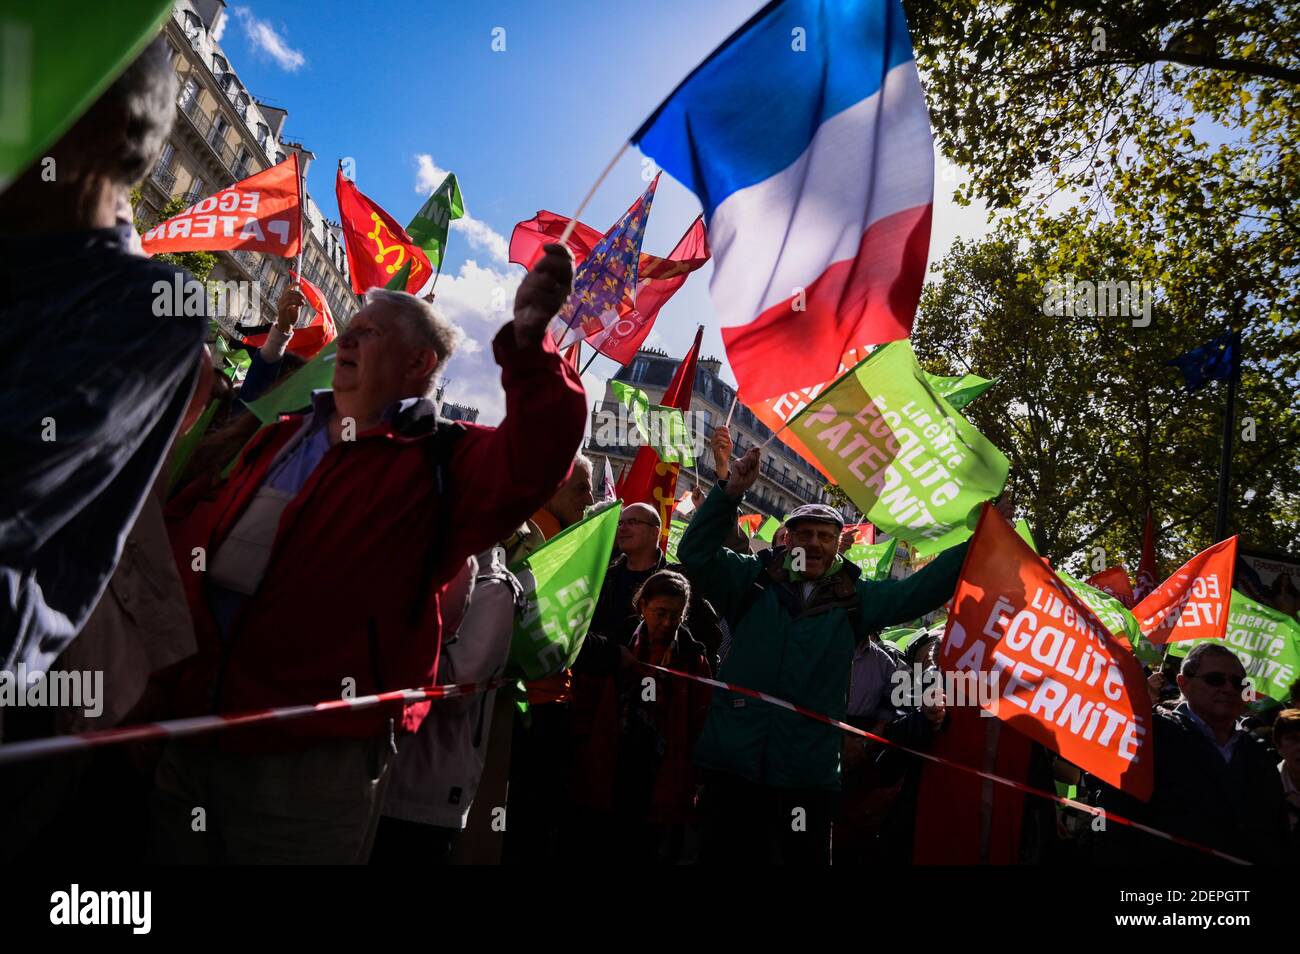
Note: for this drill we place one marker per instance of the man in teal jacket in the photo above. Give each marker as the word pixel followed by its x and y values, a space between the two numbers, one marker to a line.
pixel 796 615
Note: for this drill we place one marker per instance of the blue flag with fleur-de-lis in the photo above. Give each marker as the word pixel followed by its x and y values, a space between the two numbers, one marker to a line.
pixel 607 275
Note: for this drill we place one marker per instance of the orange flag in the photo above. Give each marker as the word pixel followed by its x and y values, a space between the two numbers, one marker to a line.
pixel 376 245
pixel 1193 603
pixel 1061 678
pixel 317 333
pixel 257 214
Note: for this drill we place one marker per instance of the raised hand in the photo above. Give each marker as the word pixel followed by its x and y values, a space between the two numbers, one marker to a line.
pixel 743 473
pixel 286 309
pixel 541 294
pixel 721 445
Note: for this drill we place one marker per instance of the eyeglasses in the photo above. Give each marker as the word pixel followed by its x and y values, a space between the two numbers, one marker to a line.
pixel 1218 680
pixel 631 520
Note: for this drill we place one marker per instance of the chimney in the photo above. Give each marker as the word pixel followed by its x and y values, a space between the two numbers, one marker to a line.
pixel 712 365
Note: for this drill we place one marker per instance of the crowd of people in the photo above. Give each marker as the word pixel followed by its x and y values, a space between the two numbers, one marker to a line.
pixel 363 544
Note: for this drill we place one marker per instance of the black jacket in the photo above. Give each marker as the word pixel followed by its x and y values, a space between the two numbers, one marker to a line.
pixel 1236 807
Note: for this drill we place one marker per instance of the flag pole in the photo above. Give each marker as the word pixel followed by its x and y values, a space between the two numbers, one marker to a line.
pixel 734 401
pixel 568 229
pixel 302 216
pixel 594 352
pixel 1225 462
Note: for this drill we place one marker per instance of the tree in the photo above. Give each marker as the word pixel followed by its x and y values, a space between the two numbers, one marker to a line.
pixel 1178 115
pixel 1095 423
pixel 198 264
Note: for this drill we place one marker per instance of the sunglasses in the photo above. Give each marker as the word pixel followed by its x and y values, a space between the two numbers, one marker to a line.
pixel 630 521
pixel 1218 680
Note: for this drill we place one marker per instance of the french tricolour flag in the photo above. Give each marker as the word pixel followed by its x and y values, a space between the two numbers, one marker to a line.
pixel 806 137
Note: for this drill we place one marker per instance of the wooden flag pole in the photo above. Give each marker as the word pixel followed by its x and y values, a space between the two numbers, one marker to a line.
pixel 568 229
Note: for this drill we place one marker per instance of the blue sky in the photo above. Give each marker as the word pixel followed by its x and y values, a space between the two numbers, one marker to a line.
pixel 409 90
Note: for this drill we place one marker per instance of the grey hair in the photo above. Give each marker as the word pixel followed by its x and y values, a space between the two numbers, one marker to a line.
pixel 1192 662
pixel 582 460
pixel 425 327
pixel 123 133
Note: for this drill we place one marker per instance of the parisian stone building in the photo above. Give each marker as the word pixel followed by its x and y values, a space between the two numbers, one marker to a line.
pixel 222 134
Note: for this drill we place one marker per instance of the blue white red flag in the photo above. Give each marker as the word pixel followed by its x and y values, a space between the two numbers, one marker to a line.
pixel 807 140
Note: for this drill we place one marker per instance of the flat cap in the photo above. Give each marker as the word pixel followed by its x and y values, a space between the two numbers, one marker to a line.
pixel 815 511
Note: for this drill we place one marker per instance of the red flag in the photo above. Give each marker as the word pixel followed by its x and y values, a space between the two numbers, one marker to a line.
pixel 528 240
pixel 376 245
pixel 862 532
pixel 651 480
pixel 259 214
pixel 1193 603
pixel 316 334
pixel 658 280
pixel 574 355
pixel 1147 573
pixel 1062 678
pixel 1114 581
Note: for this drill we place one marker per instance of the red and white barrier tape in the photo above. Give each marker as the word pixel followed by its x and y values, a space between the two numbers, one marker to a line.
pixel 1028 789
pixel 198 725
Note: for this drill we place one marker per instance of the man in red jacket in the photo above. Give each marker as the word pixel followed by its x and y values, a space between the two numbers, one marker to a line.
pixel 319 568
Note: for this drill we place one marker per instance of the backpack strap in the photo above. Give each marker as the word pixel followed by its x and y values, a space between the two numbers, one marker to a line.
pixel 438 449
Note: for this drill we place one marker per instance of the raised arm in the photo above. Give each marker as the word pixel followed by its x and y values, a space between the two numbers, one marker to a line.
pixel 501 475
pixel 721 574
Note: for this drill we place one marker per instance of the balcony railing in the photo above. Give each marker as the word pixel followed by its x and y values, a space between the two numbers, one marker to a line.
pixel 209 133
pixel 164 179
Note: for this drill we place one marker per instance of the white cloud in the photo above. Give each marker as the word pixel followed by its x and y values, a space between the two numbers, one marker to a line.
pixel 265 39
pixel 428 175
pixel 479 300
pixel 220 31
pixel 483 237
pixel 480 235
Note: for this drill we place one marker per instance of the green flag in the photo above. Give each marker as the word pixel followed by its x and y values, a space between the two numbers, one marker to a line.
pixel 399 280
pixel 915 467
pixel 637 403
pixel 663 428
pixel 898 633
pixel 294 394
pixel 430 225
pixel 959 390
pixel 768 530
pixel 1022 528
pixel 875 560
pixel 187 442
pixel 57 57
pixel 1266 640
pixel 561 581
pixel 676 527
pixel 1115 616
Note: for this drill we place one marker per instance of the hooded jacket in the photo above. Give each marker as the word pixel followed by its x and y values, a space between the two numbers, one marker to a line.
pixel 797 649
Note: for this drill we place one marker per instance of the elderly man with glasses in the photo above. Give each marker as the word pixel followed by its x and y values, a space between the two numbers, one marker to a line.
pixel 1214 783
pixel 640 558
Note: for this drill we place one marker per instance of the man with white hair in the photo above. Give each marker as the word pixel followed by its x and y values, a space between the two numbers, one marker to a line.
pixel 319 568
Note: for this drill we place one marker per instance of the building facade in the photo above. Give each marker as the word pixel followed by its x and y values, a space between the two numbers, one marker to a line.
pixel 785 480
pixel 223 134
